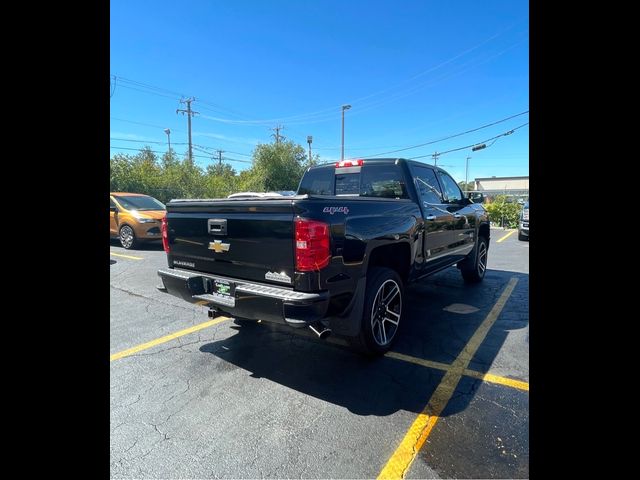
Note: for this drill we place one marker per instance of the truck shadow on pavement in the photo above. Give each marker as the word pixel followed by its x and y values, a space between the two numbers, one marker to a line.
pixel 329 371
pixel 152 245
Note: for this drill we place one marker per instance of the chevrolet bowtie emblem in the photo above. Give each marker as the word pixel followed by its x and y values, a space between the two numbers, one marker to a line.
pixel 219 247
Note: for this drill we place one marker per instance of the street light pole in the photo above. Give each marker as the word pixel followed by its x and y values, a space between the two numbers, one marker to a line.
pixel 344 107
pixel 168 132
pixel 466 173
pixel 309 140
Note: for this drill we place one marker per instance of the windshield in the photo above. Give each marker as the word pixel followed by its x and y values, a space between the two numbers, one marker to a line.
pixel 139 203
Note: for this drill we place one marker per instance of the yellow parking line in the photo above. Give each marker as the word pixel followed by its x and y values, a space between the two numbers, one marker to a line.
pixel 418 361
pixel 486 377
pixel 506 236
pixel 126 256
pixel 489 377
pixel 166 338
pixel 398 464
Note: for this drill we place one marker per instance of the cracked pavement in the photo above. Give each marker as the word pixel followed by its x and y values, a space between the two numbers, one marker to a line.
pixel 263 401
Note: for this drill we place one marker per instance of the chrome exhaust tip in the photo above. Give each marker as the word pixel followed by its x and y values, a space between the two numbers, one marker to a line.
pixel 320 330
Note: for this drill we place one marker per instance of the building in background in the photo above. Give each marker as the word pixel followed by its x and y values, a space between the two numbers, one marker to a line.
pixel 516 188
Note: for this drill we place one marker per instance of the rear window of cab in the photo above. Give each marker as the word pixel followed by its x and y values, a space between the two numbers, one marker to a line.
pixel 373 180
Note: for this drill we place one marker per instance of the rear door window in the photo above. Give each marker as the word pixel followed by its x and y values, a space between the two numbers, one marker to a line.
pixel 427 185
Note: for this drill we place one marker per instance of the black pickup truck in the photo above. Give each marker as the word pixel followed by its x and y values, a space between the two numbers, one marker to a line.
pixel 336 257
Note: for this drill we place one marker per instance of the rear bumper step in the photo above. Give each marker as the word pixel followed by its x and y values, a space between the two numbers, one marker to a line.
pixel 246 299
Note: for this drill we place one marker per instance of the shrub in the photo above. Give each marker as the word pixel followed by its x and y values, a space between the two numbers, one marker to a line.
pixel 504 213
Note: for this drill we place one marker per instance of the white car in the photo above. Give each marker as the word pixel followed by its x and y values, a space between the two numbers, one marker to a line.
pixel 282 193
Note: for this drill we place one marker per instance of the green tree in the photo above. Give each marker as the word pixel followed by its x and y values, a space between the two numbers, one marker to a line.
pixel 163 179
pixel 277 166
pixel 221 180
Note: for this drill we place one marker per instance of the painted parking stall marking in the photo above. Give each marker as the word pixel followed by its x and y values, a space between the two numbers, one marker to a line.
pixel 400 461
pixel 166 338
pixel 485 377
pixel 506 236
pixel 131 257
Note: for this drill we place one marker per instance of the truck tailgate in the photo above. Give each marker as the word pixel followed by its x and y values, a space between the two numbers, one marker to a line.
pixel 250 239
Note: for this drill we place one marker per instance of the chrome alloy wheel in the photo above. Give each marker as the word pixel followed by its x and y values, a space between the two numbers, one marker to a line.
pixel 482 259
pixel 385 312
pixel 126 236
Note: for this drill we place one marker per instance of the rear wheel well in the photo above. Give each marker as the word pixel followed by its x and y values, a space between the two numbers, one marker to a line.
pixel 396 257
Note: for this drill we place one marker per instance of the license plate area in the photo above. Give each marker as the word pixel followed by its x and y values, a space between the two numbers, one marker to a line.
pixel 224 288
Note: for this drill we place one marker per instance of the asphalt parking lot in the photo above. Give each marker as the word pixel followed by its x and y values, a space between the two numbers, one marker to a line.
pixel 222 400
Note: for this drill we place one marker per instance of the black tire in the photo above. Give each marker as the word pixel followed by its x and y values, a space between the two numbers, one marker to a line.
pixel 377 330
pixel 522 237
pixel 474 266
pixel 127 237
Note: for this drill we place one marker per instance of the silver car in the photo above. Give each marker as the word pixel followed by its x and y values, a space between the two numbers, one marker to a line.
pixel 523 223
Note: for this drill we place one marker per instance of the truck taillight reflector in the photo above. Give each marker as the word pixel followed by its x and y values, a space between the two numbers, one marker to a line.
pixel 313 250
pixel 165 234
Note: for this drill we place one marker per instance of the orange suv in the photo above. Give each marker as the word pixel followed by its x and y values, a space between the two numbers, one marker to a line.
pixel 135 217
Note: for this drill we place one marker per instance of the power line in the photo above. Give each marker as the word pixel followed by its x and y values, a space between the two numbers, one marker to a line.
pixel 450 136
pixel 145 141
pixel 145 124
pixel 201 150
pixel 162 153
pixel 146 91
pixel 238 153
pixel 152 87
pixel 236 160
pixel 330 113
pixel 195 145
pixel 211 148
pixel 509 132
pixel 174 94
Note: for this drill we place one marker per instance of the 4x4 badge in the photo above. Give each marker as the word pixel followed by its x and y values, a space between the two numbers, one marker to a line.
pixel 278 277
pixel 219 247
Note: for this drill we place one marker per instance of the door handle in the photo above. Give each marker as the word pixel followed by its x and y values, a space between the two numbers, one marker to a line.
pixel 430 217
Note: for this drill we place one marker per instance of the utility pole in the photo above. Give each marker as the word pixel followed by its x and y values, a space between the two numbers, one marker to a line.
pixel 435 158
pixel 220 152
pixel 309 140
pixel 466 173
pixel 190 114
pixel 277 134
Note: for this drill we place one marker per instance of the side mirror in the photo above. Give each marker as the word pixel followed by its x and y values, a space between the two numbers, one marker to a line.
pixel 476 197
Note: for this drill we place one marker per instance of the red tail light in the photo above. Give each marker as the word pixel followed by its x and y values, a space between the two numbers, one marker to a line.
pixel 165 234
pixel 313 250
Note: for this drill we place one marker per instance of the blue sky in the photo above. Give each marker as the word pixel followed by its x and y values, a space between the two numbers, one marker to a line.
pixel 413 71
